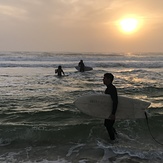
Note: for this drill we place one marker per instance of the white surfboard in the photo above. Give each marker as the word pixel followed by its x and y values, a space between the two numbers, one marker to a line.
pixel 86 68
pixel 100 106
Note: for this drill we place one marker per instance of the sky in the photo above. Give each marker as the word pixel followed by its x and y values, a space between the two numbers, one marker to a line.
pixel 80 25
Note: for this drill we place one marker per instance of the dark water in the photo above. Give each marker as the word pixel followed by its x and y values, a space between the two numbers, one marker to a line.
pixel 39 122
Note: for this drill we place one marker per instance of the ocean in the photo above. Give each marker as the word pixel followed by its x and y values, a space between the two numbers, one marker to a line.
pixel 40 124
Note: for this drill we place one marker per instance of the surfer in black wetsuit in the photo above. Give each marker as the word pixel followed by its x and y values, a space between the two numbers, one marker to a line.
pixel 59 71
pixel 112 91
pixel 81 65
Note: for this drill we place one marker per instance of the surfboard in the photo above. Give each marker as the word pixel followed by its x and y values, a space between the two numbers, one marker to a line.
pixel 86 68
pixel 100 106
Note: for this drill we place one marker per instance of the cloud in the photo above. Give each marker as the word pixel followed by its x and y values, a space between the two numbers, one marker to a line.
pixel 83 23
pixel 11 11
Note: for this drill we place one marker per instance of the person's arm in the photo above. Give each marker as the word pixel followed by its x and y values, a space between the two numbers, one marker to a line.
pixel 114 98
pixel 63 72
pixel 115 101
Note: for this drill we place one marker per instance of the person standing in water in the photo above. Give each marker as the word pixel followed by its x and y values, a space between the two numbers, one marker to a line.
pixel 59 71
pixel 112 91
pixel 82 66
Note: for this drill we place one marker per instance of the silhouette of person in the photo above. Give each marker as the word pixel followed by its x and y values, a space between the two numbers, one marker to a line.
pixel 59 71
pixel 82 66
pixel 112 91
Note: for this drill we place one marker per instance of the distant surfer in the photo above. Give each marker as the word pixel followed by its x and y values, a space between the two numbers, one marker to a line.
pixel 112 91
pixel 59 71
pixel 82 66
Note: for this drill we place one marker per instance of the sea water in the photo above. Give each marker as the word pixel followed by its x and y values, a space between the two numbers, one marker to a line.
pixel 40 124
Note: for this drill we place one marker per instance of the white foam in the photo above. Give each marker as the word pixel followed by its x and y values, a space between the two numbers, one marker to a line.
pixel 74 149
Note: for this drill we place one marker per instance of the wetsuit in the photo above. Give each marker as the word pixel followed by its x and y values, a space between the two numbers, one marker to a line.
pixel 112 91
pixel 59 71
pixel 82 66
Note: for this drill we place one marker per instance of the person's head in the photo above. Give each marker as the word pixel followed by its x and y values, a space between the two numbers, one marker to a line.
pixel 59 67
pixel 108 78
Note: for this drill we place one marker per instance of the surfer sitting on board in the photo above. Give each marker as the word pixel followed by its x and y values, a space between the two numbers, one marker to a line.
pixel 59 71
pixel 81 65
pixel 112 91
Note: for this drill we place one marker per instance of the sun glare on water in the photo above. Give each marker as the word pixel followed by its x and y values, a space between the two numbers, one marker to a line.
pixel 129 25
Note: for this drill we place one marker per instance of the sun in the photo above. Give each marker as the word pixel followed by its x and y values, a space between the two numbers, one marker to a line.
pixel 128 25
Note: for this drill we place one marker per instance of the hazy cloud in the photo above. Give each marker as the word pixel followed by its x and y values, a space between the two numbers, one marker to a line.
pixel 78 24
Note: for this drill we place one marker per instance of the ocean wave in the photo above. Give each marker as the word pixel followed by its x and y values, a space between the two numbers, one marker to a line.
pixel 38 120
pixel 72 65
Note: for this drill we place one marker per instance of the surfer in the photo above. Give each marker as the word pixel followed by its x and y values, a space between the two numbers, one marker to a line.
pixel 81 65
pixel 59 71
pixel 112 91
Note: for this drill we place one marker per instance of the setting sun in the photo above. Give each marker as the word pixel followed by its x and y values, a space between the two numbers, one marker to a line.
pixel 129 25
